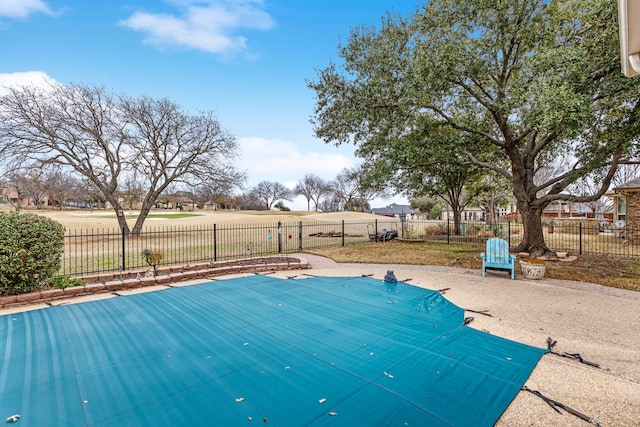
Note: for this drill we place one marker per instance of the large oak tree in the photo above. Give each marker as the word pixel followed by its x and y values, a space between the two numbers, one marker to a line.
pixel 108 139
pixel 522 83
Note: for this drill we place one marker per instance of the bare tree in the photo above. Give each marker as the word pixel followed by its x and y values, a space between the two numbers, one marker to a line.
pixel 331 203
pixel 131 191
pixel 346 187
pixel 249 201
pixel 91 195
pixel 269 192
pixel 102 136
pixel 219 193
pixel 313 188
pixel 354 188
pixel 494 193
pixel 32 184
pixel 624 174
pixel 14 187
pixel 64 185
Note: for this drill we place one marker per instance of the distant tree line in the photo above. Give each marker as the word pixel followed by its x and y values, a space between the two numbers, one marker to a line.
pixel 347 192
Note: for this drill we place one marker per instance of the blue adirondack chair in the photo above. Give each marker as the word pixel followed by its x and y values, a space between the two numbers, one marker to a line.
pixel 497 257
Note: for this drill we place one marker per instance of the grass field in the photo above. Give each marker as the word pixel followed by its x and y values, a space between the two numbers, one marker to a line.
pixel 106 219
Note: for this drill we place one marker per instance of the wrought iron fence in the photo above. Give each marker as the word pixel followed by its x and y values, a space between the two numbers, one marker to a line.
pixel 578 235
pixel 112 250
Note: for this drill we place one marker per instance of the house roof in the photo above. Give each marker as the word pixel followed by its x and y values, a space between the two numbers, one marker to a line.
pixel 574 207
pixel 392 209
pixel 632 184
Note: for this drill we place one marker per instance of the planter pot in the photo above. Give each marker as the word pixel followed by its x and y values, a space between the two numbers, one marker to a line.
pixel 533 269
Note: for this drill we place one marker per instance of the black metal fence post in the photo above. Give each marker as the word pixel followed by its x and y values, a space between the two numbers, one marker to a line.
pixel 300 236
pixel 124 256
pixel 448 232
pixel 215 243
pixel 580 238
pixel 509 232
pixel 342 234
pixel 279 237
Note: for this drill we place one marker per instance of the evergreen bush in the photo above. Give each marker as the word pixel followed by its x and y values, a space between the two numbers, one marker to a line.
pixel 30 251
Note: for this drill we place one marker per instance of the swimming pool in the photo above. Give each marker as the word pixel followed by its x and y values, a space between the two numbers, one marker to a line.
pixel 315 351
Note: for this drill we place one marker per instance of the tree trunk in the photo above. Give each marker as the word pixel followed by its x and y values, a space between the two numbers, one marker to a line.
pixel 532 235
pixel 492 210
pixel 122 220
pixel 142 216
pixel 457 216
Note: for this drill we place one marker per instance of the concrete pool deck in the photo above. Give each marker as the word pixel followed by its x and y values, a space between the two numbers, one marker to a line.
pixel 601 324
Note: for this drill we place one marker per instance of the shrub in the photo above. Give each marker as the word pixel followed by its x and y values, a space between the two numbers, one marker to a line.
pixel 153 258
pixel 30 250
pixel 62 282
pixel 434 230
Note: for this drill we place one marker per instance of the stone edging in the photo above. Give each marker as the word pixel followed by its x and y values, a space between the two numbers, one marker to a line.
pixel 111 282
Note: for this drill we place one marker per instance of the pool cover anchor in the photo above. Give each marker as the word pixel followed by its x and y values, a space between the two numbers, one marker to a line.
pixel 483 312
pixel 555 405
pixel 576 356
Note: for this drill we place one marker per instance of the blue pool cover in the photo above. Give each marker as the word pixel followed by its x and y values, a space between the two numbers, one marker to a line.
pixel 347 351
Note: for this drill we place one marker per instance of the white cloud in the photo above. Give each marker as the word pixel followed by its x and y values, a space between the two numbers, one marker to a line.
pixel 22 8
pixel 209 26
pixel 281 161
pixel 26 78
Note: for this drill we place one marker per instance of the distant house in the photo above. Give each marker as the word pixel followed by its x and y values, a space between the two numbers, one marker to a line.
pixel 564 209
pixel 394 211
pixel 626 202
pixel 468 214
pixel 9 195
pixel 210 205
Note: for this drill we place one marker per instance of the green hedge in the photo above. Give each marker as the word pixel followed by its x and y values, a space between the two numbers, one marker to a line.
pixel 30 250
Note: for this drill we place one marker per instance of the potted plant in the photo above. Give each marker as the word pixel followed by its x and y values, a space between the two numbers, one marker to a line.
pixel 533 268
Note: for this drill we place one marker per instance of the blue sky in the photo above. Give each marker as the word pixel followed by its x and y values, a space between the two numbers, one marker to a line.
pixel 245 59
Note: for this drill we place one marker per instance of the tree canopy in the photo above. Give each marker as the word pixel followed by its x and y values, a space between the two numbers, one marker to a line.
pixel 111 139
pixel 519 84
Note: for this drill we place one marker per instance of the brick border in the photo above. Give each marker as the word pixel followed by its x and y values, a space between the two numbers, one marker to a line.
pixel 105 283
